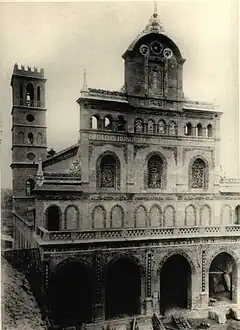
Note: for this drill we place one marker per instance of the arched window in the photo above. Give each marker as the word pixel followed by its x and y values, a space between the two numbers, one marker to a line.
pixel 199 131
pixel 209 131
pixel 21 137
pixel 190 216
pixel 172 128
pixel 94 122
pixel 161 127
pixel 53 218
pixel 109 172
pixel 30 138
pixel 108 122
pixel 71 219
pixel 198 177
pixel 120 123
pixel 150 127
pixel 29 94
pixel 39 138
pixel 139 126
pixel 188 129
pixel 155 171
pixel 38 96
pixel 30 185
pixel 237 215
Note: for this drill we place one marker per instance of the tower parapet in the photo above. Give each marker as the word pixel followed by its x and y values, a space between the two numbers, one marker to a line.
pixel 33 72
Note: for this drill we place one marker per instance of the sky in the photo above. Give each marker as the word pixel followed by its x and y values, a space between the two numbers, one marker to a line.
pixel 66 38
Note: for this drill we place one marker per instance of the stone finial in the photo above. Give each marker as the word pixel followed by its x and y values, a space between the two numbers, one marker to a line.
pixel 40 177
pixel 85 88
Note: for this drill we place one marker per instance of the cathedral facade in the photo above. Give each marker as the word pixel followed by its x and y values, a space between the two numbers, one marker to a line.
pixel 135 218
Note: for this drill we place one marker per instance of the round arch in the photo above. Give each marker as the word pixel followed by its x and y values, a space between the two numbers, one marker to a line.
pixel 53 217
pixel 205 177
pixel 175 273
pixel 108 171
pixel 122 287
pixel 223 279
pixel 71 289
pixel 72 223
pixel 150 173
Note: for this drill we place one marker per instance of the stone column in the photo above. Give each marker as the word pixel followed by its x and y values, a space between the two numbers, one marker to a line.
pixel 149 302
pixel 99 296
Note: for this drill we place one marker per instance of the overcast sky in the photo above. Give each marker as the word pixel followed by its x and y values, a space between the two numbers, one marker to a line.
pixel 65 38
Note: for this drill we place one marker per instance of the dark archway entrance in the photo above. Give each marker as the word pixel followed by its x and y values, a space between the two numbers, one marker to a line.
pixel 71 294
pixel 175 283
pixel 53 218
pixel 222 278
pixel 123 289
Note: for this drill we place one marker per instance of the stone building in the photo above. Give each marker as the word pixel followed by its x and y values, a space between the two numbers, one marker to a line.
pixel 135 218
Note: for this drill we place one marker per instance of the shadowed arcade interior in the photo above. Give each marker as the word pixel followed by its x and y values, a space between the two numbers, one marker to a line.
pixel 222 278
pixel 123 289
pixel 175 283
pixel 71 294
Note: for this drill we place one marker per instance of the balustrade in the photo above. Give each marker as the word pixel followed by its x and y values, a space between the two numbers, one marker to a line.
pixel 133 233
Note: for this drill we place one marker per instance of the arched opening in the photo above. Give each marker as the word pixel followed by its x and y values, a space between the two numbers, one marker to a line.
pixel 30 185
pixel 123 289
pixel 155 171
pixel 199 130
pixel 161 127
pixel 198 174
pixel 94 122
pixel 120 123
pixel 151 127
pixel 38 96
pixel 237 215
pixel 109 172
pixel 21 137
pixel 30 138
pixel 108 122
pixel 53 218
pixel 172 128
pixel 139 126
pixel 175 284
pixel 71 294
pixel 188 129
pixel 222 279
pixel 209 131
pixel 29 94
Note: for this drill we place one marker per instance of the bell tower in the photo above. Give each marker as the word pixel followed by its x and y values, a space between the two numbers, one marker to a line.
pixel 29 131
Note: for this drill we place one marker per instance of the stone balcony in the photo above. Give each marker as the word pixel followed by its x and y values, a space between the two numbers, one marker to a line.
pixel 44 237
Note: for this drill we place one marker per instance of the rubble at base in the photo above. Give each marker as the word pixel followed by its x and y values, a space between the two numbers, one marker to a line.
pixel 19 307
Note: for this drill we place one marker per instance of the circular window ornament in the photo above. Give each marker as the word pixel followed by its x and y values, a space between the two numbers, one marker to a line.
pixel 31 156
pixel 167 53
pixel 144 50
pixel 156 47
pixel 30 118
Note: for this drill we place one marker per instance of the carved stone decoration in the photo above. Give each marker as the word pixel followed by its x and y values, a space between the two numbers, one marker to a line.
pixel 146 78
pixel 155 176
pixel 75 169
pixel 98 278
pixel 138 147
pixel 203 271
pixel 139 125
pixel 149 275
pixel 46 275
pixel 165 78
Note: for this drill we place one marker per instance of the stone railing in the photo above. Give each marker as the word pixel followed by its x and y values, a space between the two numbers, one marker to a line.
pixel 198 105
pixel 137 233
pixel 104 94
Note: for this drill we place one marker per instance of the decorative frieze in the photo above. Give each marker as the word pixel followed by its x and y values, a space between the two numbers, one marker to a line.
pixel 203 270
pixel 149 275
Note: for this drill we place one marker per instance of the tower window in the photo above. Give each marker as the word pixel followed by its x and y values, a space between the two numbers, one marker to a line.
pixel 188 129
pixel 120 122
pixel 198 174
pixel 29 94
pixel 172 128
pixel 30 185
pixel 30 118
pixel 155 169
pixel 94 122
pixel 209 131
pixel 199 130
pixel 30 138
pixel 38 96
pixel 108 122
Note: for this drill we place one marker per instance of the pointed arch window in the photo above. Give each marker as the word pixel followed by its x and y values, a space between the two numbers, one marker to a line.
pixel 198 175
pixel 199 130
pixel 38 96
pixel 139 126
pixel 188 129
pixel 30 138
pixel 161 127
pixel 108 122
pixel 209 131
pixel 30 185
pixel 109 172
pixel 155 172
pixel 172 128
